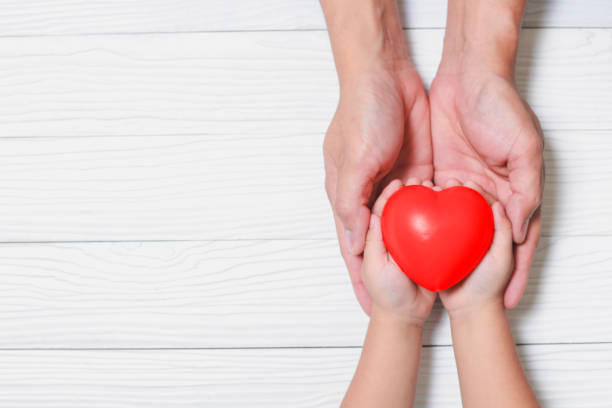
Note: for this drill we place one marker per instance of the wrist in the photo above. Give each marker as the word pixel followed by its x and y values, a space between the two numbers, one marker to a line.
pixel 397 321
pixel 482 36
pixel 478 312
pixel 365 37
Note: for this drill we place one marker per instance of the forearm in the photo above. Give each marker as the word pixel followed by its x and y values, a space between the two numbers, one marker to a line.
pixel 388 369
pixel 490 372
pixel 363 34
pixel 482 35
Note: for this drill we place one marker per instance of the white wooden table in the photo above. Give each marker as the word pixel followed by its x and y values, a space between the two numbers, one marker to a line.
pixel 165 237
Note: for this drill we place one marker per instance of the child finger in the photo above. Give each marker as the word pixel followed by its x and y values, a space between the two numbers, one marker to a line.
pixel 374 245
pixel 452 182
pixel 412 181
pixel 428 183
pixel 503 227
pixel 474 186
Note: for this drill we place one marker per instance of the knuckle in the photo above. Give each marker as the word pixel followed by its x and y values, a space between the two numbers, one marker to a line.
pixel 344 252
pixel 529 204
pixel 343 207
pixel 536 200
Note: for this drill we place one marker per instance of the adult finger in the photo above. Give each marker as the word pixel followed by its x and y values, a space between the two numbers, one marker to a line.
pixel 526 182
pixel 353 190
pixel 523 255
pixel 353 265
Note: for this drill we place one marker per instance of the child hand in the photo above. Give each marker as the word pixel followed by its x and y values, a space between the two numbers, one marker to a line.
pixel 393 294
pixel 487 283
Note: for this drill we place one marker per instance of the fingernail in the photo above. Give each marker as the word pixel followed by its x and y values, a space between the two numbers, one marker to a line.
pixel 349 238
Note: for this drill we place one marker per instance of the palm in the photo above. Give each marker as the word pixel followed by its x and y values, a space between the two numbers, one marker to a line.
pixel 415 156
pixel 398 290
pixel 478 130
pixel 390 116
pixel 482 131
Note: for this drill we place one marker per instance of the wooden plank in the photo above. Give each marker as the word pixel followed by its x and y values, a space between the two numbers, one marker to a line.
pixel 302 378
pixel 255 294
pixel 254 83
pixel 233 187
pixel 140 16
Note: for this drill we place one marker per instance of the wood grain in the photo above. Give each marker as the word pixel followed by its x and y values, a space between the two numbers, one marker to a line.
pixel 255 293
pixel 254 83
pixel 233 187
pixel 302 378
pixel 141 16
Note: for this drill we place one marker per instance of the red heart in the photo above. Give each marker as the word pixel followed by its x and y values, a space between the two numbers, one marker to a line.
pixel 437 238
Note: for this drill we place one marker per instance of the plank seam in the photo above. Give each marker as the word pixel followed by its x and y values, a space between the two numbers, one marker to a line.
pixel 200 134
pixel 585 343
pixel 267 30
pixel 132 241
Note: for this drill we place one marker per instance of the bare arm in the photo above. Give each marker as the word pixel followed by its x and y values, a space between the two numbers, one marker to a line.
pixel 363 34
pixel 387 372
pixel 388 368
pixel 482 35
pixel 490 372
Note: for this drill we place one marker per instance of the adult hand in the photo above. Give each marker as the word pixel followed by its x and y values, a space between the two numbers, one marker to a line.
pixel 482 131
pixel 380 130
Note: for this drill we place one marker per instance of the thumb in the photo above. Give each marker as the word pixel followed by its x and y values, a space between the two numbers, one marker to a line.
pixel 502 238
pixel 352 196
pixel 374 246
pixel 499 255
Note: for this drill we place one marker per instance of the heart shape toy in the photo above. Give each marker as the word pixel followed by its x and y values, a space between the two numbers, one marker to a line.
pixel 437 238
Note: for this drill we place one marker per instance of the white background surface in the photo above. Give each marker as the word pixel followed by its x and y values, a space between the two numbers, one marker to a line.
pixel 165 240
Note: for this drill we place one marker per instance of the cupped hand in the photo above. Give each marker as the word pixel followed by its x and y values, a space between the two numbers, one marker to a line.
pixel 392 292
pixel 380 131
pixel 487 283
pixel 483 131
